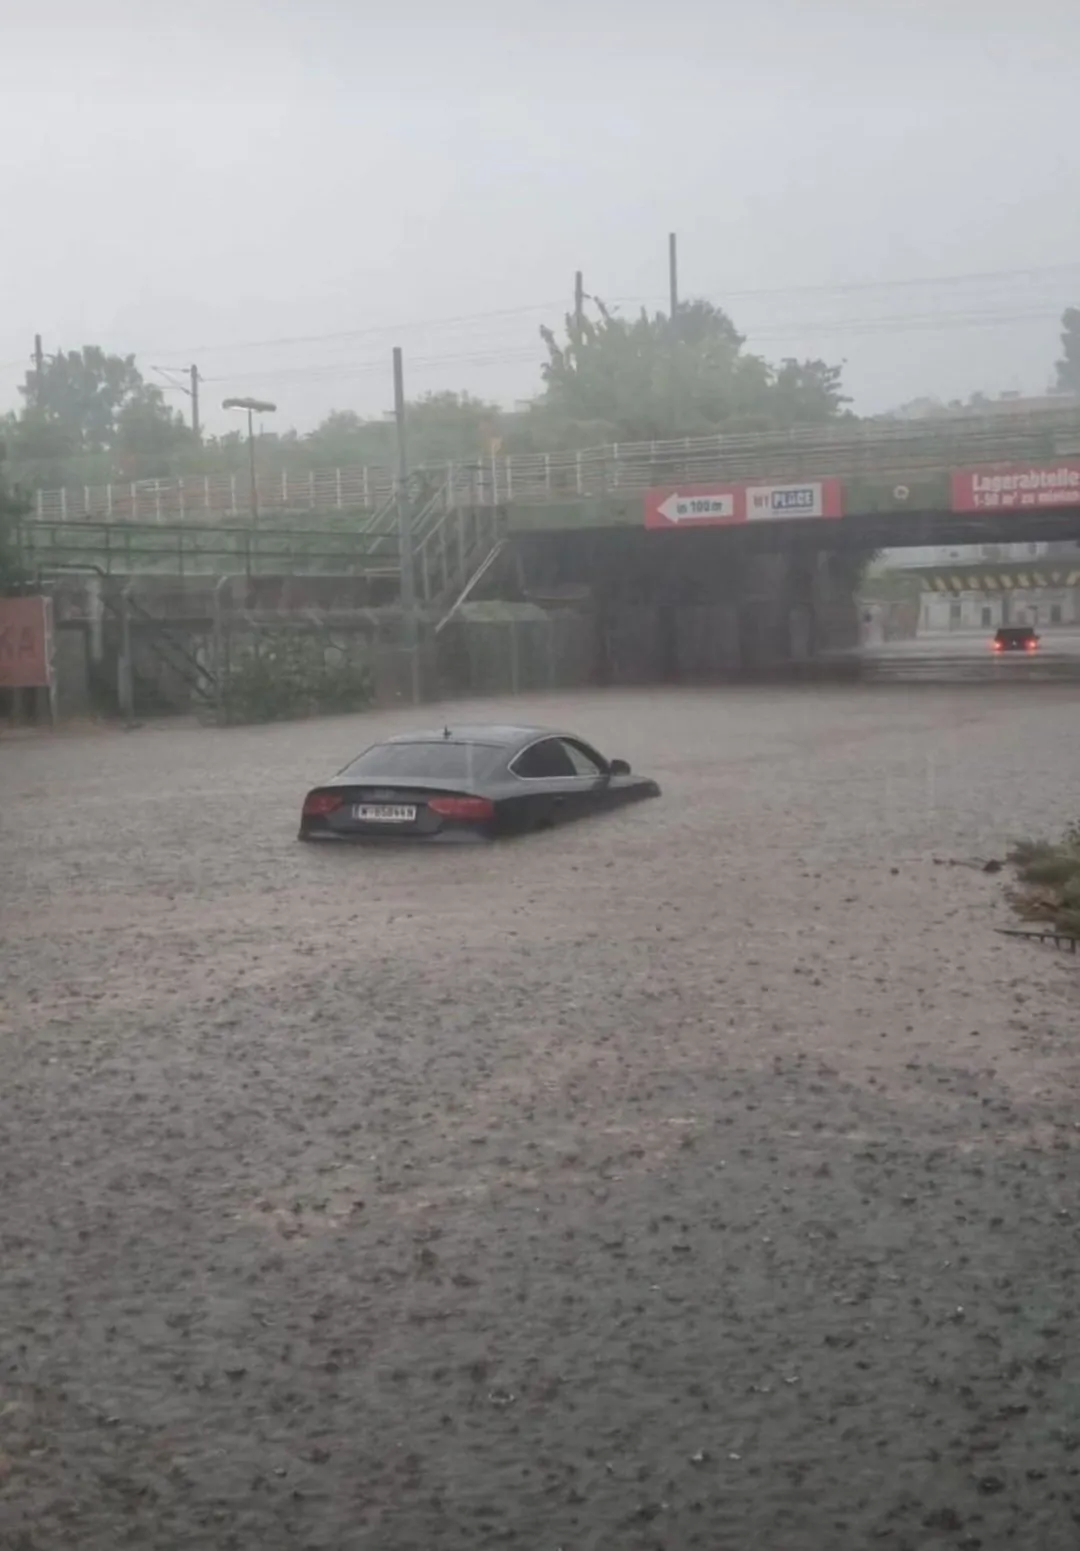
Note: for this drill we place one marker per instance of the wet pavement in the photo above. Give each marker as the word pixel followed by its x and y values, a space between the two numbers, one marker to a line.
pixel 703 1177
pixel 965 658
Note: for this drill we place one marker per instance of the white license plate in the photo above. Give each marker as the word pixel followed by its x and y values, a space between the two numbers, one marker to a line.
pixel 372 813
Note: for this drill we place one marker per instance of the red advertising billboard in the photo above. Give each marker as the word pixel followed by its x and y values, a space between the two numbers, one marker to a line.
pixel 25 643
pixel 722 505
pixel 1017 487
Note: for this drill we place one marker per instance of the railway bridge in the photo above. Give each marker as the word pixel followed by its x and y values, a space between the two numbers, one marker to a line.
pixel 722 553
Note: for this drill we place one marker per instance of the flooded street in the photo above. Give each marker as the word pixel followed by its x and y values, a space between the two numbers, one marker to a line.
pixel 702 1177
pixel 970 658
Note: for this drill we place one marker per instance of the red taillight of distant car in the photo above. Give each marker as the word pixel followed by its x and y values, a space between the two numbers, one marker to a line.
pixel 474 809
pixel 1030 646
pixel 996 646
pixel 318 804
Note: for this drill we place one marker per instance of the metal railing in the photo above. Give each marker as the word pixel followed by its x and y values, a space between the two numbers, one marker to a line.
pixel 885 448
pixel 205 549
pixel 452 548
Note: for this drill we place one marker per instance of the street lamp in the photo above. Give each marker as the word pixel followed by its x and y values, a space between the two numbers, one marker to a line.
pixel 253 407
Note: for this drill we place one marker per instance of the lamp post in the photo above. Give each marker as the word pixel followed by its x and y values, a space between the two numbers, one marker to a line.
pixel 253 407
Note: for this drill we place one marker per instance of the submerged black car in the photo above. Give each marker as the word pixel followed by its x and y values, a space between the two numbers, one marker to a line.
pixel 468 783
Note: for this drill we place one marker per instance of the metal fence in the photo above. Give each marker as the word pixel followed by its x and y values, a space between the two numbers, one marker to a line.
pixel 205 549
pixel 847 449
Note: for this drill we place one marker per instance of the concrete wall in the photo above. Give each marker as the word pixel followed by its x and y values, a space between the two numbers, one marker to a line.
pixel 941 613
pixel 705 612
pixel 893 619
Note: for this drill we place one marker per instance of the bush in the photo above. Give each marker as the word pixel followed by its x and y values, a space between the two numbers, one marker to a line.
pixel 12 508
pixel 1050 882
pixel 288 675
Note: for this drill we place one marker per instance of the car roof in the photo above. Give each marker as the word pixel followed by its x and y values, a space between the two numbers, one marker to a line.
pixel 494 734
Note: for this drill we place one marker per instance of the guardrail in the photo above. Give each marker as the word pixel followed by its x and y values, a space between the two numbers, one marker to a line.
pixel 197 497
pixel 206 549
pixel 848 448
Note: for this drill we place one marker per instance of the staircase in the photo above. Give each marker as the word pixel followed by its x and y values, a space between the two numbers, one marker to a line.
pixel 455 540
pixel 381 528
pixel 456 543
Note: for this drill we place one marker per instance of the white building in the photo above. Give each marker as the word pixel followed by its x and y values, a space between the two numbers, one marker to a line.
pixel 979 587
pixel 981 610
pixel 929 555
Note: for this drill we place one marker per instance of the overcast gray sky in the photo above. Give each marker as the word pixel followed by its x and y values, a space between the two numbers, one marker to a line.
pixel 889 185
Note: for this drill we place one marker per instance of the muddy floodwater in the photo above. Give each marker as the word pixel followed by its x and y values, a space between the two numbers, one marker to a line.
pixel 704 1177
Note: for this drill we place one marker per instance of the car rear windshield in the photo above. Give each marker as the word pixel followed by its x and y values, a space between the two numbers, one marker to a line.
pixel 424 761
pixel 1017 633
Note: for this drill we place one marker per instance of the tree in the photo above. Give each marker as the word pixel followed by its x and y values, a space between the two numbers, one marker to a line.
pixel 79 393
pixel 439 428
pixel 147 427
pixel 805 393
pixel 1068 368
pixel 450 427
pixel 642 380
pixel 12 507
pixel 86 401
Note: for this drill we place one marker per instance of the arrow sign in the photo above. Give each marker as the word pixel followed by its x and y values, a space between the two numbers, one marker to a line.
pixel 708 505
pixel 696 508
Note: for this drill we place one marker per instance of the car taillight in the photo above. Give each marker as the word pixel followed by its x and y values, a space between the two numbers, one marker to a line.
pixel 318 804
pixel 1029 646
pixel 462 807
pixel 996 646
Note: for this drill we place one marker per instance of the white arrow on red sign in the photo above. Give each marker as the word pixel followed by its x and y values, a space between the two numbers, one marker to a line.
pixel 704 506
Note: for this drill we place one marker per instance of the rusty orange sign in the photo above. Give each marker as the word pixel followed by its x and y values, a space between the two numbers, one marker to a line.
pixel 25 643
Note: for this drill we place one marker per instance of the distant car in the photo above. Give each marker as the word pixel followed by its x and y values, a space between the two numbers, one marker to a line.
pixel 469 783
pixel 1016 638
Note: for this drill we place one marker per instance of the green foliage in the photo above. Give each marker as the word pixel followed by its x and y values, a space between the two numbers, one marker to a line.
pixel 87 401
pixel 292 674
pixel 12 509
pixel 439 428
pixel 641 380
pixel 78 394
pixel 89 417
pixel 889 586
pixel 147 427
pixel 1050 879
pixel 1068 368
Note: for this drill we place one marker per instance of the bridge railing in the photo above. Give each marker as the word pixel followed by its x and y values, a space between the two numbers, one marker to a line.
pixel 885 448
pixel 209 549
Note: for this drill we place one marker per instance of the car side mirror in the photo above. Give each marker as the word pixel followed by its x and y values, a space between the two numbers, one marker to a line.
pixel 618 767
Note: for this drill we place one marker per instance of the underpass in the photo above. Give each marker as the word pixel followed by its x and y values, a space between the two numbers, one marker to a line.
pixel 961 659
pixel 712 557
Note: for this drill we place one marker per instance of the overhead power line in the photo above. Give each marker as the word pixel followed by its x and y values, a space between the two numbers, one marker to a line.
pixel 365 333
pixel 832 328
pixel 852 287
pixel 560 305
pixel 927 319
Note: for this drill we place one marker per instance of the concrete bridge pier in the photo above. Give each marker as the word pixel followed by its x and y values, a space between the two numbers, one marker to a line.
pixel 679 611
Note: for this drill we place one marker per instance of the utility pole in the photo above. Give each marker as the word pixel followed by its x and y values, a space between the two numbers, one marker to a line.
pixel 196 424
pixel 39 372
pixel 579 300
pixel 673 283
pixel 673 276
pixel 404 517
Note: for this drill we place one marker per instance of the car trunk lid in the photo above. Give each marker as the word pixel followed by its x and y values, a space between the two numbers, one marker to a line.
pixel 400 808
